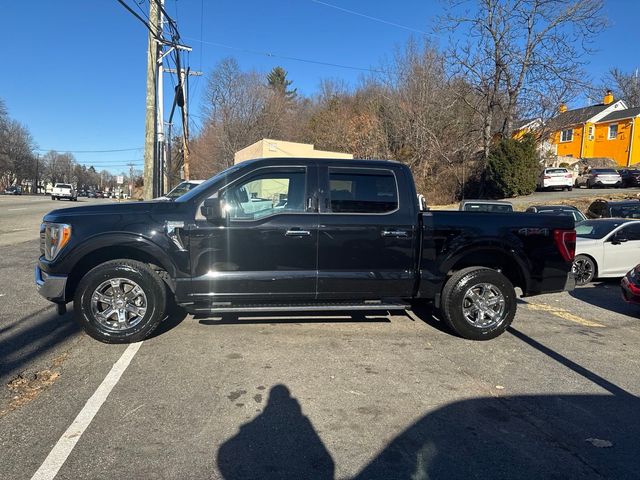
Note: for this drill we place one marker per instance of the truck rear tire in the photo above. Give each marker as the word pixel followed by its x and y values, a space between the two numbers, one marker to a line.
pixel 120 301
pixel 478 303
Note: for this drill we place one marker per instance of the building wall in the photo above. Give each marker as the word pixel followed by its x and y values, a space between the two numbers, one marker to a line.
pixel 268 148
pixel 616 149
pixel 635 149
pixel 252 151
pixel 569 149
pixel 589 140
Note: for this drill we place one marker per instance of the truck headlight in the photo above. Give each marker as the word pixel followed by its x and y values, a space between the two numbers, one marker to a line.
pixel 53 237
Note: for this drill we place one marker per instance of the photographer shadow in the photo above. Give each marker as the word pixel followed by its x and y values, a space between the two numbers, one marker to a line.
pixel 280 443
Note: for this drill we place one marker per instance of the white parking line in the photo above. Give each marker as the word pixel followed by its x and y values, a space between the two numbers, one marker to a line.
pixel 15 209
pixel 58 455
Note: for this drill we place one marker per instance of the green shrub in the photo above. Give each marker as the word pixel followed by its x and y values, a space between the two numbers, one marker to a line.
pixel 513 167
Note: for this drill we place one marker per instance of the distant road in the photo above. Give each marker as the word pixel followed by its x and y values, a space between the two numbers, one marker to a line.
pixel 20 215
pixel 557 195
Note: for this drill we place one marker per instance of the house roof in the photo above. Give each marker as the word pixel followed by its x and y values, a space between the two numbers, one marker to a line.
pixel 529 122
pixel 620 114
pixel 576 116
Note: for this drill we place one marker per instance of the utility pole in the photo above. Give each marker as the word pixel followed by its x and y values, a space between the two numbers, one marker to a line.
pixel 158 48
pixel 160 149
pixel 130 180
pixel 150 122
pixel 37 181
pixel 182 75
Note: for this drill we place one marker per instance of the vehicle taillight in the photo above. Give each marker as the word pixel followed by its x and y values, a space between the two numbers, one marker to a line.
pixel 547 177
pixel 568 175
pixel 566 243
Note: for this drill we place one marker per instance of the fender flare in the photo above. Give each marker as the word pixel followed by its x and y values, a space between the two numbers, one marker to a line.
pixel 139 243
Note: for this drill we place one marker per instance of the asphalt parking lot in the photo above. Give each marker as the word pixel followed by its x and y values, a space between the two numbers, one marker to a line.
pixel 314 396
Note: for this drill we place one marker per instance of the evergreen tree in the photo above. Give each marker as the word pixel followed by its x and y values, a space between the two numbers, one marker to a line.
pixel 277 80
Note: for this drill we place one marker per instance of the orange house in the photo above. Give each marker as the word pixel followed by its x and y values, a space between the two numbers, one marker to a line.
pixel 606 130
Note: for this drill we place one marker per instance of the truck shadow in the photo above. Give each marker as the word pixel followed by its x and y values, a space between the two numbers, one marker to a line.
pixel 499 437
pixel 32 336
pixel 507 437
pixel 606 294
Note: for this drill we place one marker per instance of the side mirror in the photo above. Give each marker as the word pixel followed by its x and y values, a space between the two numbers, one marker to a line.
pixel 211 209
pixel 618 239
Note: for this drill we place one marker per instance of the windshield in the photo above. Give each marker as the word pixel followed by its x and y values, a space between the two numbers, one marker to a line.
pixel 606 171
pixel 556 170
pixel 63 185
pixel 194 192
pixel 577 216
pixel 180 190
pixel 625 211
pixel 595 229
pixel 487 207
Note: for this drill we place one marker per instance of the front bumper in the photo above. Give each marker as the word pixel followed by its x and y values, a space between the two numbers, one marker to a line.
pixel 51 287
pixel 630 292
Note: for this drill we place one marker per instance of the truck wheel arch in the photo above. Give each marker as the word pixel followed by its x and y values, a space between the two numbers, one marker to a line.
pixel 95 257
pixel 496 259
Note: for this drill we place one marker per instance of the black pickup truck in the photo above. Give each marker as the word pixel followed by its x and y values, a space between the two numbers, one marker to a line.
pixel 297 235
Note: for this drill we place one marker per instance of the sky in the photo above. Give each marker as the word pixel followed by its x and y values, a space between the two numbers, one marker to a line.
pixel 74 71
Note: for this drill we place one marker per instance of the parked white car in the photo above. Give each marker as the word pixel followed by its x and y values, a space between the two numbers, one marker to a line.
pixel 555 178
pixel 606 247
pixel 64 190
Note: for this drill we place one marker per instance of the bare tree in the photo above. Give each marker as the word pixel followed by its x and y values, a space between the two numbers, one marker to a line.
pixel 236 102
pixel 625 85
pixel 516 51
pixel 16 153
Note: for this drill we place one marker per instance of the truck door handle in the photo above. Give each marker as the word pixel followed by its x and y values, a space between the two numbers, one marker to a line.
pixel 394 233
pixel 296 232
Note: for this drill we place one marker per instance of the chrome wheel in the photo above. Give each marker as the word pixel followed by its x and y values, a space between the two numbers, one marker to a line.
pixel 118 304
pixel 583 270
pixel 483 305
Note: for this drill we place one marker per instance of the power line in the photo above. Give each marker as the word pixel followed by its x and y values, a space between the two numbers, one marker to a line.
pixel 144 14
pixel 369 17
pixel 135 14
pixel 87 151
pixel 285 57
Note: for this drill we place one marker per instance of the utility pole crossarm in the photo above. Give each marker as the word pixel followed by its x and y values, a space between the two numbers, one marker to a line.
pixel 192 73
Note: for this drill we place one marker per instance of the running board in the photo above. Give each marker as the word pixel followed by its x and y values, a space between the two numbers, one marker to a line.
pixel 317 307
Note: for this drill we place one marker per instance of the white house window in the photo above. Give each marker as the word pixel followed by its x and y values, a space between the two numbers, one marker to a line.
pixel 613 131
pixel 566 135
pixel 591 133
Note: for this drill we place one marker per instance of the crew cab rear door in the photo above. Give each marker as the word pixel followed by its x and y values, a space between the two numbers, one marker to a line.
pixel 266 248
pixel 366 236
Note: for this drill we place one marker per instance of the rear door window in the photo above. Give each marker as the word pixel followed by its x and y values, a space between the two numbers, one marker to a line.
pixel 630 232
pixel 362 190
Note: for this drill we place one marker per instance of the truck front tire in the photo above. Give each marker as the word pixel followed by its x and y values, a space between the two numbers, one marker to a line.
pixel 120 301
pixel 478 303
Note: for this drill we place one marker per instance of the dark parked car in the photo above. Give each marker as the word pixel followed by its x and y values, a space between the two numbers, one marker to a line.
pixel 614 209
pixel 577 215
pixel 630 177
pixel 630 285
pixel 13 190
pixel 297 235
